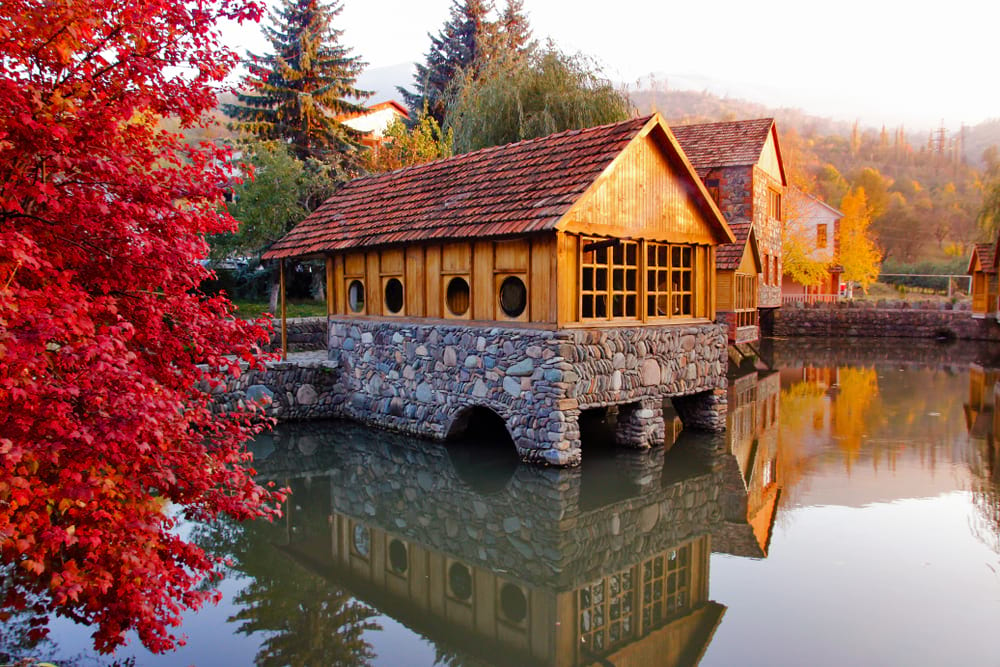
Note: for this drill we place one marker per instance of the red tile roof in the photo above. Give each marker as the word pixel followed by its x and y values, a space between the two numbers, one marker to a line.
pixel 730 144
pixel 986 257
pixel 505 190
pixel 729 255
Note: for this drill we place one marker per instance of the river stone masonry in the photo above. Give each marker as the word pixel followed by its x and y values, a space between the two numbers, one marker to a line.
pixel 429 380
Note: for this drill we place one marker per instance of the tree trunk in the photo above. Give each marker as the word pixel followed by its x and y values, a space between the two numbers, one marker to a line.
pixel 274 292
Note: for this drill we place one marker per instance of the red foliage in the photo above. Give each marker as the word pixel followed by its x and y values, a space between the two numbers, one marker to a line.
pixel 102 222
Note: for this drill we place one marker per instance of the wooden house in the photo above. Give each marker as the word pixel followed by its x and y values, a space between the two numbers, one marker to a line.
pixel 374 121
pixel 815 226
pixel 737 266
pixel 740 164
pixel 983 269
pixel 477 259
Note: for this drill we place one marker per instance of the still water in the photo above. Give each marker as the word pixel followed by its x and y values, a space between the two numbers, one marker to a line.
pixel 850 515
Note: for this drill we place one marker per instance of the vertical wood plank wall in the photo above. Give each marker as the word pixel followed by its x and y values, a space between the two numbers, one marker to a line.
pixel 548 265
pixel 425 271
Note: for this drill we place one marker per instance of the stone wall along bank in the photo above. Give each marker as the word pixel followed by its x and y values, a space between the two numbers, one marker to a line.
pixel 303 333
pixel 286 390
pixel 883 320
pixel 431 380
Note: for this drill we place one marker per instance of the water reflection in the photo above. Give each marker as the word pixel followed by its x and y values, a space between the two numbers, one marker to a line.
pixel 480 560
pixel 536 566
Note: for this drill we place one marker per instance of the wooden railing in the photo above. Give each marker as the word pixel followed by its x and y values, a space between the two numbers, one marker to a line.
pixel 809 298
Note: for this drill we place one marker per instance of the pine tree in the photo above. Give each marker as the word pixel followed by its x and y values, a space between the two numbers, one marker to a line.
pixel 457 52
pixel 297 93
pixel 514 32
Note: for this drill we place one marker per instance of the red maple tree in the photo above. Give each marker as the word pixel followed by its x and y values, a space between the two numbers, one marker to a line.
pixel 106 439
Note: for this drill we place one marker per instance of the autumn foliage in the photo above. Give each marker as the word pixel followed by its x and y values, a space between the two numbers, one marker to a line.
pixel 106 439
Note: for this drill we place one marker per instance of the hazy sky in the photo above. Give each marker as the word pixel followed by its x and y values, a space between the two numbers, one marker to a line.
pixel 893 62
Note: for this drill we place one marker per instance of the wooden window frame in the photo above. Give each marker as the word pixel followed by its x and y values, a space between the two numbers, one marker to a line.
pixel 654 274
pixel 745 301
pixel 773 204
pixel 821 236
pixel 605 261
pixel 385 278
pixel 446 279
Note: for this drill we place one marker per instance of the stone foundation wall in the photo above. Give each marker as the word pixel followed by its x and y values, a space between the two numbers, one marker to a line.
pixel 424 379
pixel 304 334
pixel 285 390
pixel 854 319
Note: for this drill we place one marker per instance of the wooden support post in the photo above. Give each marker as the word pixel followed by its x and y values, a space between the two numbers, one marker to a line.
pixel 284 328
pixel 329 285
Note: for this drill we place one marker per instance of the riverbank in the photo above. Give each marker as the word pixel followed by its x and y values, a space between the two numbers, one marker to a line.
pixel 881 319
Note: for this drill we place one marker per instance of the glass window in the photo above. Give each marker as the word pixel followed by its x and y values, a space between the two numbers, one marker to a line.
pixel 609 280
pixel 513 296
pixel 393 295
pixel 821 236
pixel 457 296
pixel 356 296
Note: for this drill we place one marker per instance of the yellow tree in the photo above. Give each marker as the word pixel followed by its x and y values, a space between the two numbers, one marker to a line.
pixel 858 253
pixel 801 260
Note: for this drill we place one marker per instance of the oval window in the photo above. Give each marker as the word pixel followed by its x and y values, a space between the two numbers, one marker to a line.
pixel 398 560
pixel 356 296
pixel 513 604
pixel 393 295
pixel 361 540
pixel 460 581
pixel 513 296
pixel 457 296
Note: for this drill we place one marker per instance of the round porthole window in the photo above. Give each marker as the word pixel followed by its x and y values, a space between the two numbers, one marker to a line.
pixel 361 540
pixel 460 581
pixel 356 296
pixel 457 296
pixel 513 604
pixel 513 296
pixel 398 559
pixel 394 295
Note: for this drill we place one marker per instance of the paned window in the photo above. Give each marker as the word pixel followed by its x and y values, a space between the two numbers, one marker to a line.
pixel 669 280
pixel 609 286
pixel 821 236
pixel 774 204
pixel 746 300
pixel 607 619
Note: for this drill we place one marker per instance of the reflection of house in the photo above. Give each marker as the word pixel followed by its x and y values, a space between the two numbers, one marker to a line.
pixel 374 121
pixel 814 227
pixel 622 579
pixel 979 413
pixel 983 269
pixel 740 164
pixel 483 281
pixel 752 489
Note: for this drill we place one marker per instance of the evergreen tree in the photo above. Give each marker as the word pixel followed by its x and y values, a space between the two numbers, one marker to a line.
pixel 297 92
pixel 514 32
pixel 457 53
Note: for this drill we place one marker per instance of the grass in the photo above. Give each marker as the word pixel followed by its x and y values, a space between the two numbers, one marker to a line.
pixel 892 293
pixel 297 308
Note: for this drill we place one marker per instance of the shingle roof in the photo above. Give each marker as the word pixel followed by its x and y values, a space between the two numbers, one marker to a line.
pixel 986 257
pixel 729 255
pixel 729 144
pixel 514 189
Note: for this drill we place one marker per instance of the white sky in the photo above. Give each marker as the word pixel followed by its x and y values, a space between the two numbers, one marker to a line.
pixel 881 61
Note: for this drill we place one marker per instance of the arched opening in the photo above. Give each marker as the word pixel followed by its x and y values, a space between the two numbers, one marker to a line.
pixel 481 449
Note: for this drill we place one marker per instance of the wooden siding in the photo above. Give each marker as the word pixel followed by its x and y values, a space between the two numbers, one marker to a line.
pixel 644 193
pixel 769 161
pixel 425 271
pixel 725 293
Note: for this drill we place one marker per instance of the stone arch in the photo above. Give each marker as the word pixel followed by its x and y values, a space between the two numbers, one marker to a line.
pixel 481 449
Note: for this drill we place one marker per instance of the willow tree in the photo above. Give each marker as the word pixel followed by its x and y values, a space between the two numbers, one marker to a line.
pixel 297 93
pixel 547 91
